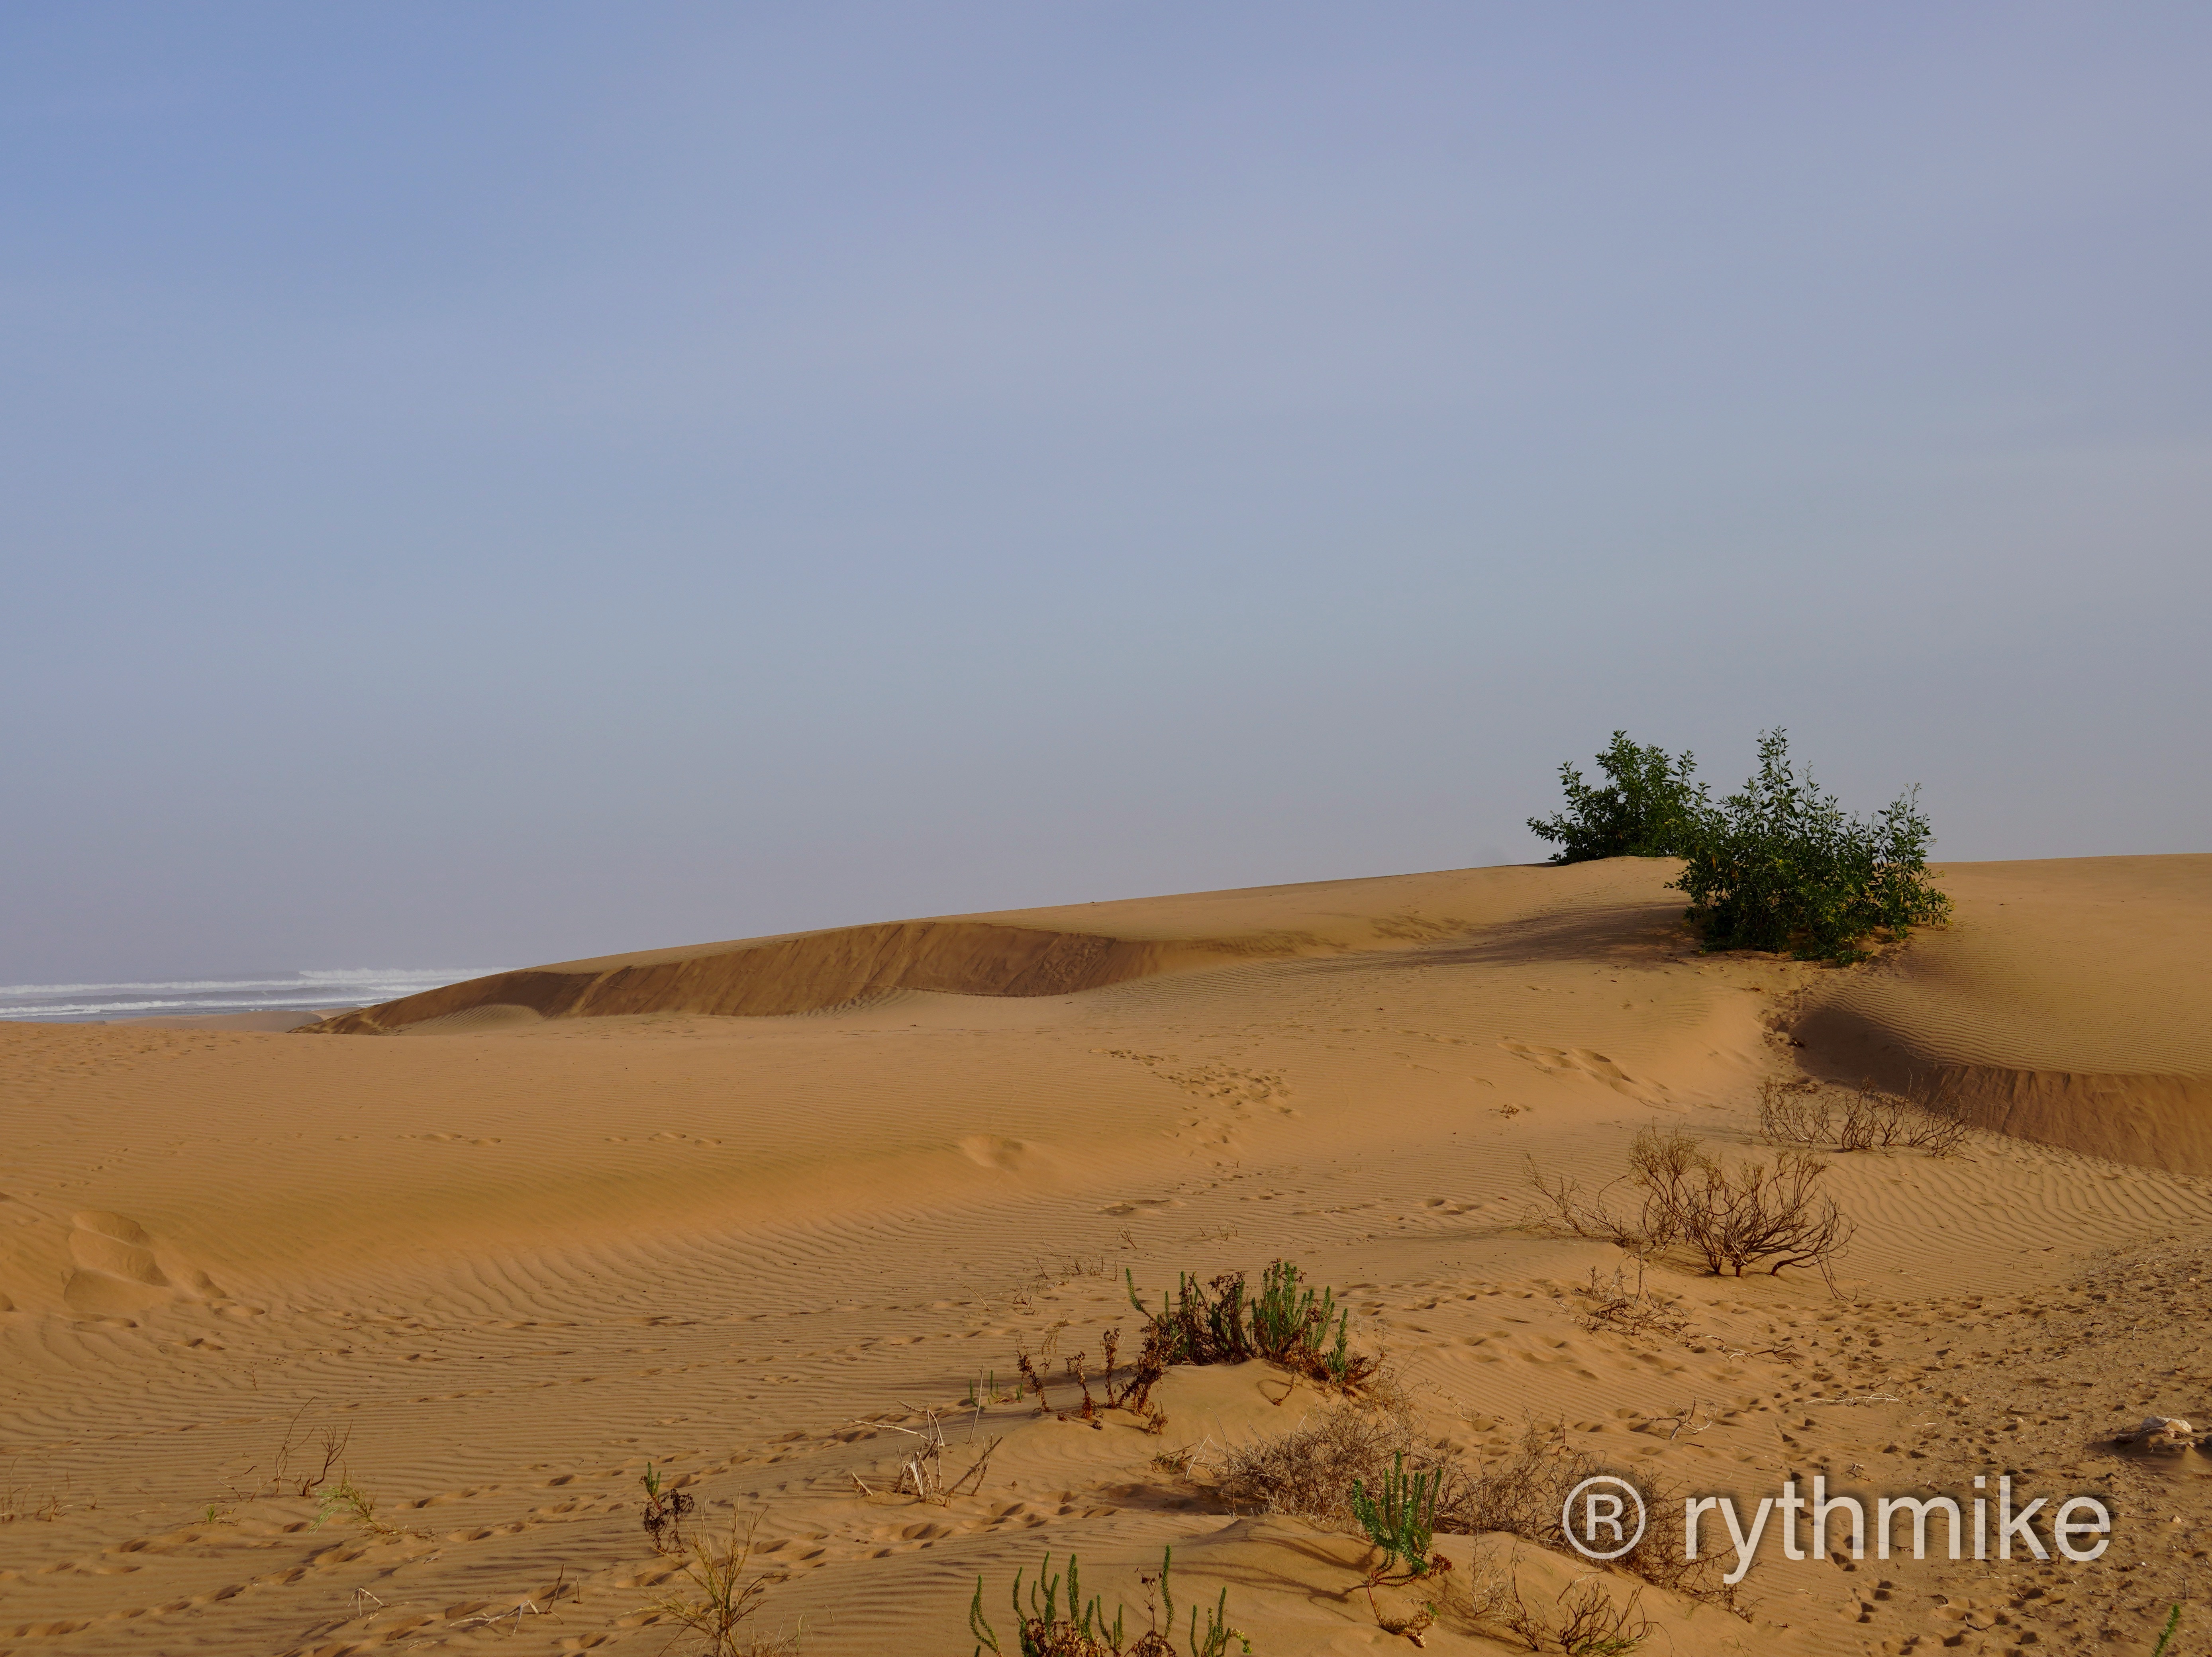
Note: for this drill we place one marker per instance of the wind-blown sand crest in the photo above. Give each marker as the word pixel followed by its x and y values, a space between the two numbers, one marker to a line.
pixel 1021 953
pixel 802 974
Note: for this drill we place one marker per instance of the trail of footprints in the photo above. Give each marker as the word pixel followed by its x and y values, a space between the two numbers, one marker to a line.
pixel 288 1527
pixel 1215 1082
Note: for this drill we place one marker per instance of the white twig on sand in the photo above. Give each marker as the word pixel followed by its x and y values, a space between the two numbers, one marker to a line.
pixel 924 1469
pixel 1863 1397
pixel 515 1610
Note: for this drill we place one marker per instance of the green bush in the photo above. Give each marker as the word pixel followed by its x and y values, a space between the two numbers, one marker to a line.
pixel 1403 1523
pixel 1781 866
pixel 1042 1629
pixel 1643 810
pixel 1287 1325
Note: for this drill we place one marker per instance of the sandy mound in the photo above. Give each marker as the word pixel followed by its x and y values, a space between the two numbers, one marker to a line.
pixel 354 1346
pixel 2067 1002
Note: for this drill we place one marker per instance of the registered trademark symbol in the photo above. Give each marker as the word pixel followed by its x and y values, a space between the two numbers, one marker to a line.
pixel 1595 1517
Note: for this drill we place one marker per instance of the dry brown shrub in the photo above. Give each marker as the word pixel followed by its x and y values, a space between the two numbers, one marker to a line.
pixel 1309 1471
pixel 1757 1215
pixel 1569 1210
pixel 1522 1494
pixel 1751 1214
pixel 1584 1619
pixel 1804 1112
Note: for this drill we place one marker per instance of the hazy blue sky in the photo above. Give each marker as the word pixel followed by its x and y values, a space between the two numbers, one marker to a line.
pixel 491 482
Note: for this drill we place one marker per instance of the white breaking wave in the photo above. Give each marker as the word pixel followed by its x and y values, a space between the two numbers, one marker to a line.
pixel 306 991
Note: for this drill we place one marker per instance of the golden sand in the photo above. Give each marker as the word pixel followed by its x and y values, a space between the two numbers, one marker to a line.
pixel 712 1207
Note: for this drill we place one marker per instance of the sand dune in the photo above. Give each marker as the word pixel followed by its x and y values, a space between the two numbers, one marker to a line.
pixel 597 1222
pixel 2067 1002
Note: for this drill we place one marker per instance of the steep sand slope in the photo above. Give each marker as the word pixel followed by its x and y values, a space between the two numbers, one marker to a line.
pixel 498 1267
pixel 2067 1002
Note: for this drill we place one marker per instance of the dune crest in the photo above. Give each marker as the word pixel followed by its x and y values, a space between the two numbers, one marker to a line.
pixel 802 974
pixel 1064 950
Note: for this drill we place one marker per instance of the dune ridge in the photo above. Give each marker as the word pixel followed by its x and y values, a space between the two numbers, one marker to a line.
pixel 806 973
pixel 1033 953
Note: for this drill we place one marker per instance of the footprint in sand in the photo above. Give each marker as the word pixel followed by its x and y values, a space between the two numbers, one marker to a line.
pixel 1585 1062
pixel 1007 1156
pixel 1140 1205
pixel 1225 1083
pixel 117 1272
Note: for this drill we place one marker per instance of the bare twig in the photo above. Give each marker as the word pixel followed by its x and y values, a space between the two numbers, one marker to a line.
pixel 923 1470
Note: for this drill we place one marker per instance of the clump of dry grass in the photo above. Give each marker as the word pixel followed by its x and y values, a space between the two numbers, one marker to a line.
pixel 1626 1308
pixel 725 1596
pixel 1312 1470
pixel 16 1504
pixel 524 1606
pixel 1522 1494
pixel 1803 1112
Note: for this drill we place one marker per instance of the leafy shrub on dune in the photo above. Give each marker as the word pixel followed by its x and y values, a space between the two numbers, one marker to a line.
pixel 1642 809
pixel 1778 865
pixel 1781 866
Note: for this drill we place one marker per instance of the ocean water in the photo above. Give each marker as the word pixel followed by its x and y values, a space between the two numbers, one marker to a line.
pixel 303 991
